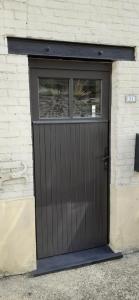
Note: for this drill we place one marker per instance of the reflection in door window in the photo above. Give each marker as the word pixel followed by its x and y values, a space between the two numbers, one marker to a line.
pixel 86 97
pixel 53 97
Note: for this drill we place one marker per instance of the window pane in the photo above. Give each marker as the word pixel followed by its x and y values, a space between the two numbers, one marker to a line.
pixel 86 97
pixel 53 97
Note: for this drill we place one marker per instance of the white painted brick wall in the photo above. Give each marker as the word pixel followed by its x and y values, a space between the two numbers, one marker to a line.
pixel 125 122
pixel 15 124
pixel 103 21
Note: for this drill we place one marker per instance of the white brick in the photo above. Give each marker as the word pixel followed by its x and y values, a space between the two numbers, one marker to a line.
pixel 108 22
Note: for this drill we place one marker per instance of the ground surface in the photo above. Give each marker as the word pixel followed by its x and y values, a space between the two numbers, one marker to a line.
pixel 112 280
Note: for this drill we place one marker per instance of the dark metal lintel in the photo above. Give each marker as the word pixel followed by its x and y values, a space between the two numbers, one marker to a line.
pixel 34 47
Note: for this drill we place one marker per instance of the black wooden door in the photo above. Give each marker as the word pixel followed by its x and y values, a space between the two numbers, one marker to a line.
pixel 70 102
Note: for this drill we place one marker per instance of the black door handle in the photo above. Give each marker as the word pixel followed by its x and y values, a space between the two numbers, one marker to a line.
pixel 105 158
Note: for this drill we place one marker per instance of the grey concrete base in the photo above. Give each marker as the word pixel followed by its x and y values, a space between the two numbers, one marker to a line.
pixel 75 259
pixel 111 280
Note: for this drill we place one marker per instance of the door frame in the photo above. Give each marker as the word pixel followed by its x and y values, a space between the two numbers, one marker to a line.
pixel 105 66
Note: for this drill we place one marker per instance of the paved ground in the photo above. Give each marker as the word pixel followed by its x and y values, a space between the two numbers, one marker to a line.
pixel 117 279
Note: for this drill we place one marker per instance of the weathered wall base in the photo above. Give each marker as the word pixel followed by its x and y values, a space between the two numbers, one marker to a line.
pixel 17 236
pixel 17 228
pixel 124 218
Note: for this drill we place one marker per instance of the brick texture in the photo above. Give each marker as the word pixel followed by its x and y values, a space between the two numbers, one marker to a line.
pixel 114 22
pixel 15 125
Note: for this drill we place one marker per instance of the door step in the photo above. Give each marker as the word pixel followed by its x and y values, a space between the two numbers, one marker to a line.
pixel 74 260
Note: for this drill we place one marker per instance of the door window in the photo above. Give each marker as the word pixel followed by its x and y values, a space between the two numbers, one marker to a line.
pixel 69 98
pixel 53 98
pixel 86 98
